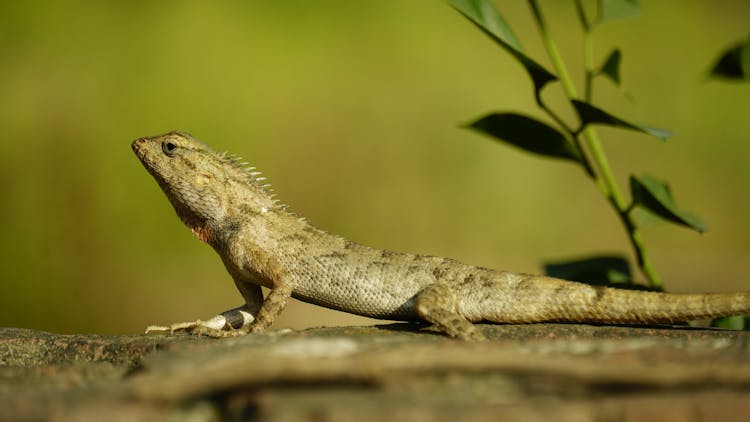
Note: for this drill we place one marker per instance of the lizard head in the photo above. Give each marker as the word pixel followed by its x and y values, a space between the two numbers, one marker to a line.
pixel 201 184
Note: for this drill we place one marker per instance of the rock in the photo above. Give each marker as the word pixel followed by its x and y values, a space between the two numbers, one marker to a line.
pixel 525 372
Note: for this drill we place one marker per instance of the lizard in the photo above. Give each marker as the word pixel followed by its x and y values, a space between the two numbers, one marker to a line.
pixel 263 244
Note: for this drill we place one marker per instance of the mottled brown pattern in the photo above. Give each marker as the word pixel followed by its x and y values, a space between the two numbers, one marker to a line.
pixel 262 244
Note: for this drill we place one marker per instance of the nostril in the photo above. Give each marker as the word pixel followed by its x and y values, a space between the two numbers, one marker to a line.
pixel 138 143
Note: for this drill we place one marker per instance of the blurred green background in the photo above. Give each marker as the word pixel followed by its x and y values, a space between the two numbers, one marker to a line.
pixel 352 110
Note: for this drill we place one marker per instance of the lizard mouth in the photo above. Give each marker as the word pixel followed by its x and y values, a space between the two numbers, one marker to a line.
pixel 141 149
pixel 136 145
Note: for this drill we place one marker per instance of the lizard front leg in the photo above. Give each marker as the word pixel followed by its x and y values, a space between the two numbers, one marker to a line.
pixel 437 303
pixel 274 304
pixel 232 319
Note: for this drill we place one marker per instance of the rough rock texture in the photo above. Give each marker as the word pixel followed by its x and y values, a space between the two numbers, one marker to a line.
pixel 525 372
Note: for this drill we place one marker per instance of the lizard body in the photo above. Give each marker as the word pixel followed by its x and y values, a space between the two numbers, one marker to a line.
pixel 263 244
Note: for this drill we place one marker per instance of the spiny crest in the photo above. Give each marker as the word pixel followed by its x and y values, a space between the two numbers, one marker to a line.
pixel 249 174
pixel 241 168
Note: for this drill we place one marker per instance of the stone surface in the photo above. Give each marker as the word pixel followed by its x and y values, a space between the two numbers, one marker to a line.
pixel 399 371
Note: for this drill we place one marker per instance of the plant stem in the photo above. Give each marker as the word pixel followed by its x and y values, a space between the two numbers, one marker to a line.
pixel 564 78
pixel 588 51
pixel 575 141
pixel 607 183
pixel 588 57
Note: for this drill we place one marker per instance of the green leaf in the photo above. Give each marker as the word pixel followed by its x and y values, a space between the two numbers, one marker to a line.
pixel 482 14
pixel 611 66
pixel 528 134
pixel 732 323
pixel 598 270
pixel 656 197
pixel 611 69
pixel 645 218
pixel 617 9
pixel 594 115
pixel 734 63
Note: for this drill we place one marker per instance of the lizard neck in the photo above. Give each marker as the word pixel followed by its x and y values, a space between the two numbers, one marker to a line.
pixel 241 203
pixel 269 228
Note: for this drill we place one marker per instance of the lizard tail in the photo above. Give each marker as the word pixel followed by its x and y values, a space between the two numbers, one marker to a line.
pixel 539 299
pixel 631 306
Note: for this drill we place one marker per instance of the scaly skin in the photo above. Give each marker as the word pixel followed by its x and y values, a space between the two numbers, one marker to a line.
pixel 262 244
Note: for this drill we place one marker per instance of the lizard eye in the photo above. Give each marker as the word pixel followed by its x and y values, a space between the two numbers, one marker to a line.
pixel 168 148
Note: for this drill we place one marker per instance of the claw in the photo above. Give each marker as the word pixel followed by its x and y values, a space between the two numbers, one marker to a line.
pixel 153 328
pixel 177 326
pixel 215 327
pixel 185 326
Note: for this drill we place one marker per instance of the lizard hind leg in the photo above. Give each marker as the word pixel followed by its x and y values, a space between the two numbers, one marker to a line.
pixel 437 304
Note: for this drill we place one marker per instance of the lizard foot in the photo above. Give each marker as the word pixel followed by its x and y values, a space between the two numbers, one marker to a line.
pixel 172 328
pixel 204 330
pixel 188 327
pixel 472 334
pixel 231 323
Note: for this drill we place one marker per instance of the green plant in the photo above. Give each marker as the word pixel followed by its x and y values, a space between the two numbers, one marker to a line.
pixel 581 144
pixel 733 63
